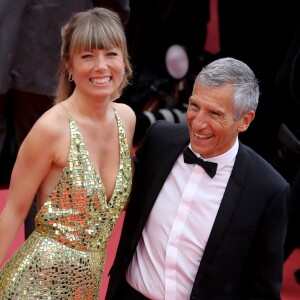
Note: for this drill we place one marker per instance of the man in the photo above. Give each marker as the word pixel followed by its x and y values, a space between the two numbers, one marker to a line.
pixel 189 234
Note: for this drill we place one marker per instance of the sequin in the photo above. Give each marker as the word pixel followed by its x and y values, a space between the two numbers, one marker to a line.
pixel 64 257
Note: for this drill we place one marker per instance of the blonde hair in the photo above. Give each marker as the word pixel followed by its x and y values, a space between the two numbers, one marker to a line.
pixel 97 28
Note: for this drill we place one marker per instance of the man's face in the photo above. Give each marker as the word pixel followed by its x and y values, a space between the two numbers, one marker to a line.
pixel 210 117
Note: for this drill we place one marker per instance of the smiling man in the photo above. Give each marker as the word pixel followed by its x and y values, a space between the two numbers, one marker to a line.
pixel 207 215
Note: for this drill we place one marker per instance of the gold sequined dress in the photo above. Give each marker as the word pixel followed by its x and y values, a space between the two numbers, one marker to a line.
pixel 64 257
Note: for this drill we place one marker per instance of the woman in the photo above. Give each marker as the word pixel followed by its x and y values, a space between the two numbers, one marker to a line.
pixel 77 158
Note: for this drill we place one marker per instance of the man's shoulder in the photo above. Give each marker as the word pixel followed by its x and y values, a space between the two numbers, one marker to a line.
pixel 164 126
pixel 261 167
pixel 164 134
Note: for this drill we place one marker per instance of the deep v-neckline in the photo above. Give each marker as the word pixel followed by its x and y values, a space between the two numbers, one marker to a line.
pixel 106 200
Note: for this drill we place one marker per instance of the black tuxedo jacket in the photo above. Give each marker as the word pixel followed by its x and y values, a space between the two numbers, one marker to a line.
pixel 243 258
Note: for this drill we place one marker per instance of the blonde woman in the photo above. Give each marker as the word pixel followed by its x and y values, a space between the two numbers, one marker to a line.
pixel 83 176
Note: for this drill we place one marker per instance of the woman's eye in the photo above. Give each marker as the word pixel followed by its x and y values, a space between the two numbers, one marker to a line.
pixel 86 56
pixel 112 53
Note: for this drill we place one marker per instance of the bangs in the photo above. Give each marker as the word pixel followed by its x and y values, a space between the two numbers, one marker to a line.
pixel 90 36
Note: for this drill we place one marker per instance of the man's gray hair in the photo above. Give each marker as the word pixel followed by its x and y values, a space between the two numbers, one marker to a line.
pixel 231 71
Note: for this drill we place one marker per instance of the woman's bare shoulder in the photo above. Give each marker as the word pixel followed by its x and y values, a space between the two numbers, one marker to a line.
pixel 49 135
pixel 126 113
pixel 128 118
pixel 53 122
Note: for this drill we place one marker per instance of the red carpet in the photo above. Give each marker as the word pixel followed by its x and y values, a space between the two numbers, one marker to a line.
pixel 290 289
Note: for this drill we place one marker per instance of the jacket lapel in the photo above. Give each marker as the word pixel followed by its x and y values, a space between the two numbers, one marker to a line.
pixel 169 157
pixel 228 204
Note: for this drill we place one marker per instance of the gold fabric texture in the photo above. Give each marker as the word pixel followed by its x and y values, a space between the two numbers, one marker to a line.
pixel 64 257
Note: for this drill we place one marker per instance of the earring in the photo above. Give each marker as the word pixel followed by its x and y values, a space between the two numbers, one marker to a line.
pixel 70 77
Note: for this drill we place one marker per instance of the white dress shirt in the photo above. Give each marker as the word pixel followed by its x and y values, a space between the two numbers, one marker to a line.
pixel 170 250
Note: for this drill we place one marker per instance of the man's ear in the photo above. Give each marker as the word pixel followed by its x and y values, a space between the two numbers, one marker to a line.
pixel 245 121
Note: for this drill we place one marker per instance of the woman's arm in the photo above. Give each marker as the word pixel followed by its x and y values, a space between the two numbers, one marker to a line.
pixel 33 163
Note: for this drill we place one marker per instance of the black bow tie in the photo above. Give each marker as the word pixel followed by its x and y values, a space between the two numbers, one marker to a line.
pixel 190 158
